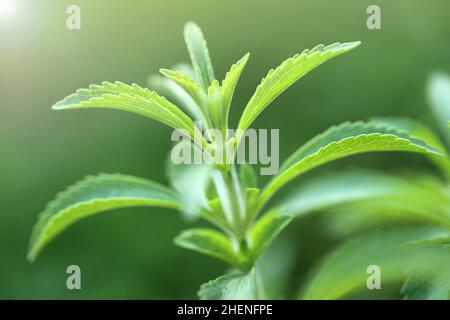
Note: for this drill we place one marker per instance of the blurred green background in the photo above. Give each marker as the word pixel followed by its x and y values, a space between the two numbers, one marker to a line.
pixel 129 253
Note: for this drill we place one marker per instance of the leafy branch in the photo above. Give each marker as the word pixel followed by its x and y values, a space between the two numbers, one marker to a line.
pixel 225 195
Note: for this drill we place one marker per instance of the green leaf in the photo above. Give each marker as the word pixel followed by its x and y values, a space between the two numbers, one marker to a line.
pixel 191 181
pixel 230 201
pixel 215 107
pixel 424 287
pixel 360 187
pixel 438 91
pixel 412 127
pixel 234 286
pixel 418 130
pixel 417 288
pixel 275 267
pixel 209 242
pixel 265 231
pixel 199 54
pixel 361 199
pixel 281 78
pixel 248 177
pixel 189 85
pixel 174 92
pixel 338 142
pixel 229 84
pixel 345 270
pixel 132 98
pixel 92 195
pixel 339 189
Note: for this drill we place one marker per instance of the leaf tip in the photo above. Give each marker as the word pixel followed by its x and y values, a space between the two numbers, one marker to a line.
pixel 57 106
pixel 165 72
pixel 31 255
pixel 352 45
pixel 191 26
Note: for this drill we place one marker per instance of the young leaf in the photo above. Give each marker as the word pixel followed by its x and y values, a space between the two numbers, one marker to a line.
pixel 232 286
pixel 215 106
pixel 191 181
pixel 132 98
pixel 199 54
pixel 265 231
pixel 229 84
pixel 92 195
pixel 281 78
pixel 438 89
pixel 174 92
pixel 189 85
pixel 248 177
pixel 338 142
pixel 345 270
pixel 209 242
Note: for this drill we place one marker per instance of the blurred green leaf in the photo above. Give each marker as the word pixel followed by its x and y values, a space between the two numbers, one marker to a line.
pixel 366 189
pixel 265 231
pixel 209 242
pixel 438 91
pixel 234 286
pixel 345 269
pixel 191 181
pixel 363 199
pixel 199 54
pixel 248 176
pixel 92 195
pixel 275 266
pixel 338 142
pixel 426 287
pixel 340 189
pixel 281 78
pixel 416 288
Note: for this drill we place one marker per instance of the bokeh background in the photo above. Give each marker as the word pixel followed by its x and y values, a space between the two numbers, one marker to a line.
pixel 129 253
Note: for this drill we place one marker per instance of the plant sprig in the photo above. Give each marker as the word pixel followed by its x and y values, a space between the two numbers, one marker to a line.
pixel 228 197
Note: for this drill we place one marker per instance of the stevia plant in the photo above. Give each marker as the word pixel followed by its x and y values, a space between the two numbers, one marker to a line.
pixel 362 200
pixel 226 195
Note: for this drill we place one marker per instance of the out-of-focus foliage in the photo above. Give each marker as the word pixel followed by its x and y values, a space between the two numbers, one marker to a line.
pixel 378 200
